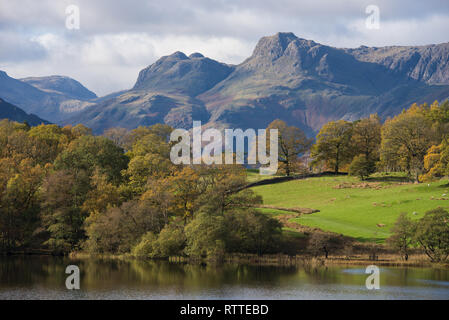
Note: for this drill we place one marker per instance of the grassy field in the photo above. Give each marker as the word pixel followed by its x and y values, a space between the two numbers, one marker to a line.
pixel 354 208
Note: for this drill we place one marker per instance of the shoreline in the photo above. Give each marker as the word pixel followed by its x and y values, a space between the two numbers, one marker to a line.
pixel 282 260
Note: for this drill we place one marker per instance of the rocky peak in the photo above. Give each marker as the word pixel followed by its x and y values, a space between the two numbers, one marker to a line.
pixel 178 73
pixel 282 43
pixel 196 55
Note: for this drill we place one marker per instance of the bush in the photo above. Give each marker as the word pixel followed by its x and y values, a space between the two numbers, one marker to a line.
pixel 361 167
pixel 146 247
pixel 402 235
pixel 205 237
pixel 432 234
pixel 324 243
pixel 250 231
pixel 171 242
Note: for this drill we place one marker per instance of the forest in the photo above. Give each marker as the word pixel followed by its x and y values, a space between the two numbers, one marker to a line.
pixel 63 189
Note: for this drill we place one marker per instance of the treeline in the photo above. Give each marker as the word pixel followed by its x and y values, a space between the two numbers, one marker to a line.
pixel 430 234
pixel 416 141
pixel 64 190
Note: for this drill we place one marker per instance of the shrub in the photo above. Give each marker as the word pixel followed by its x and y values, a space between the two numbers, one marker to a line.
pixel 205 237
pixel 171 242
pixel 250 231
pixel 432 234
pixel 146 247
pixel 361 167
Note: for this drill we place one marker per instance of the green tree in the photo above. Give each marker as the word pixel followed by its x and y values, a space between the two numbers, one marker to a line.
pixel 206 237
pixel 249 231
pixel 432 234
pixel 333 144
pixel 402 235
pixel 19 203
pixel 62 213
pixel 88 153
pixel 361 167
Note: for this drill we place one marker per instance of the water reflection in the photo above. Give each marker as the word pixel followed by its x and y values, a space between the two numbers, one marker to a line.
pixel 44 278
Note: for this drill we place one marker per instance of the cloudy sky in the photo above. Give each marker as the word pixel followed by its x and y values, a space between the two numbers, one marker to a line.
pixel 116 38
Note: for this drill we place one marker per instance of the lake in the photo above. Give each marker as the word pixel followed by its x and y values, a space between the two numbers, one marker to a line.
pixel 43 277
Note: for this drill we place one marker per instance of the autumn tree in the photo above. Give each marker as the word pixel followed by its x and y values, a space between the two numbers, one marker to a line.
pixel 19 202
pixel 366 137
pixel 120 136
pixel 62 213
pixel 292 142
pixel 438 113
pixel 324 243
pixel 436 162
pixel 406 139
pixel 149 153
pixel 333 144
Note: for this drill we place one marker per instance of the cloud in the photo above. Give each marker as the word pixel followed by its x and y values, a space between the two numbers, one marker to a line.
pixel 16 48
pixel 118 38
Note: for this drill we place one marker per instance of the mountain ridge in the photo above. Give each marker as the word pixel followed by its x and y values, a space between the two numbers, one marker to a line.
pixel 45 102
pixel 300 81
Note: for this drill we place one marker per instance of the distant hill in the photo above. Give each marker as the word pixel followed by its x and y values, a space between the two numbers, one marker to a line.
pixel 13 113
pixel 297 80
pixel 164 93
pixel 62 85
pixel 53 98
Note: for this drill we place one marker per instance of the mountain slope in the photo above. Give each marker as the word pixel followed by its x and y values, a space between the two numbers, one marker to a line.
pixel 61 85
pixel 180 74
pixel 429 64
pixel 164 92
pixel 308 84
pixel 48 104
pixel 300 81
pixel 13 113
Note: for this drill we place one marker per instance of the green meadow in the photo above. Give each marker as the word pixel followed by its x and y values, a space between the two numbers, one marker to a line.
pixel 358 210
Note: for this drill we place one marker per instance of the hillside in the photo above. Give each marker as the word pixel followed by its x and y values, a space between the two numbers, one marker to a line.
pixel 11 112
pixel 61 85
pixel 296 80
pixel 363 210
pixel 52 98
pixel 429 64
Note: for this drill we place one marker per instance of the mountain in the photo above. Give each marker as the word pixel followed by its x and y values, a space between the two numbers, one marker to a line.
pixel 429 64
pixel 180 74
pixel 61 85
pixel 164 92
pixel 308 84
pixel 52 98
pixel 11 112
pixel 297 80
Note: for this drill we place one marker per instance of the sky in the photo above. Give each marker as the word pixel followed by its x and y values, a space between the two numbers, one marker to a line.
pixel 116 38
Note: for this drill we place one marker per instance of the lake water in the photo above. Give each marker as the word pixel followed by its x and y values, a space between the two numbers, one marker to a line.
pixel 38 277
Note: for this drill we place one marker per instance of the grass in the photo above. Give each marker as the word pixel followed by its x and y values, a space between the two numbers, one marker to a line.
pixel 253 175
pixel 355 212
